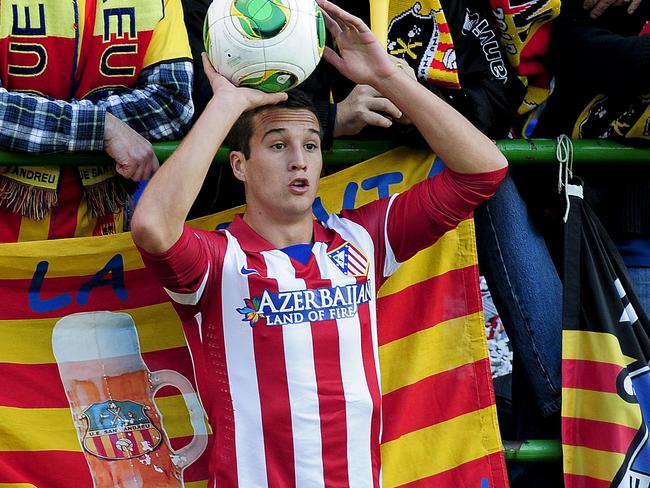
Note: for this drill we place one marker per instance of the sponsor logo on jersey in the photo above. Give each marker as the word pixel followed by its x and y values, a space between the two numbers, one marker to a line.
pixel 350 260
pixel 301 306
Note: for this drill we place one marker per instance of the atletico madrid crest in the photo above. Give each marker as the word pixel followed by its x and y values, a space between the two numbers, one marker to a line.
pixel 350 260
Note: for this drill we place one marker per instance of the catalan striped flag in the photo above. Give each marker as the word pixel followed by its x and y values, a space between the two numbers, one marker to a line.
pixel 439 421
pixel 605 354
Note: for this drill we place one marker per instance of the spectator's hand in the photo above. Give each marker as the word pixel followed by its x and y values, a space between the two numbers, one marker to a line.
pixel 133 154
pixel 598 7
pixel 364 106
pixel 360 58
pixel 225 90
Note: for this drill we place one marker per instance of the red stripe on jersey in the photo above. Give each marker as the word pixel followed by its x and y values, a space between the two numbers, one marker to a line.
pixel 370 368
pixel 414 414
pixel 63 221
pixel 604 436
pixel 331 400
pixel 10 228
pixel 590 375
pixel 268 345
pixel 440 306
pixel 471 473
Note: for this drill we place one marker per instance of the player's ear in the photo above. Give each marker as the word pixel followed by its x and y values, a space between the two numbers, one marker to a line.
pixel 238 164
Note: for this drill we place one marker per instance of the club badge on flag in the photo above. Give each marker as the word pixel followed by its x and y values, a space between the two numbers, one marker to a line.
pixel 350 260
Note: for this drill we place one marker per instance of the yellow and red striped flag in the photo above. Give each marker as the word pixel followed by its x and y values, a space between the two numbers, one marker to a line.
pixel 440 426
pixel 605 355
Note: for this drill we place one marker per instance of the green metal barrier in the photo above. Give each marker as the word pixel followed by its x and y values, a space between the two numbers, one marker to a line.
pixel 518 151
pixel 538 451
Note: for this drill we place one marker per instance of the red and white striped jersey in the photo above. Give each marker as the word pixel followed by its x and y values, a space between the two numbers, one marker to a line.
pixel 286 353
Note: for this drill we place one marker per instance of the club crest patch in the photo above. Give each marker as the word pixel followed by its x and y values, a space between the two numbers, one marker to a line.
pixel 119 430
pixel 349 260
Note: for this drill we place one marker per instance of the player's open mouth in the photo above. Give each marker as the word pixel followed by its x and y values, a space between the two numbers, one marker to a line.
pixel 299 185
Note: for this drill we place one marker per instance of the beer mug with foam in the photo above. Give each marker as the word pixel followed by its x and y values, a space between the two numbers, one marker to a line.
pixel 111 391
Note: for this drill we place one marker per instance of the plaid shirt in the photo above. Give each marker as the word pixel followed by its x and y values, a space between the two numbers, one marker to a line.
pixel 159 107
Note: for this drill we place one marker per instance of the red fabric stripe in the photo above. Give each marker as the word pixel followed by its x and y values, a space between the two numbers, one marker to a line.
pixel 268 344
pixel 58 469
pixel 10 227
pixel 370 369
pixel 594 434
pixel 39 385
pixel 117 453
pixel 590 375
pixel 142 291
pixel 63 221
pixel 472 474
pixel 577 481
pixel 439 305
pixel 421 404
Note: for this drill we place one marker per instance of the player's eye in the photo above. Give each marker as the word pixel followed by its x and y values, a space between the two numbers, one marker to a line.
pixel 278 145
pixel 310 146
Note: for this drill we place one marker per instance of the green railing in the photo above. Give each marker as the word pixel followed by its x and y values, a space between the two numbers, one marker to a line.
pixel 517 151
pixel 536 151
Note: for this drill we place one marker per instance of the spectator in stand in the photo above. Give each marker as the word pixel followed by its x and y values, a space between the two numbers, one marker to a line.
pixel 82 76
pixel 600 58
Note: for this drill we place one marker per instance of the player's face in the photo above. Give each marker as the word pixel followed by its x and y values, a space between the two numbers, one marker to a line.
pixel 283 171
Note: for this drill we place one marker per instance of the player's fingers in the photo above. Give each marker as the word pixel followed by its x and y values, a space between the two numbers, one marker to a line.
pixel 331 24
pixel 332 57
pixel 343 17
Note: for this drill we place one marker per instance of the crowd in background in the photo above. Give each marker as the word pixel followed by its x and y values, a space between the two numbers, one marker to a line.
pixel 586 74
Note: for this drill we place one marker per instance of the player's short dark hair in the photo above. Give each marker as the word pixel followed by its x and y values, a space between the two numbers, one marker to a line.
pixel 241 132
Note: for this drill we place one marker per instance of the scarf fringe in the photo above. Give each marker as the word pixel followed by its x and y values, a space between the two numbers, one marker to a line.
pixel 29 201
pixel 107 197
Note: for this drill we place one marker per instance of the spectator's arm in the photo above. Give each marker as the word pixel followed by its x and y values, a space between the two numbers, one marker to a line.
pixel 158 107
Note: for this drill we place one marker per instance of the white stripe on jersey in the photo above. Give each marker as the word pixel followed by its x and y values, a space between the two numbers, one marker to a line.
pixel 356 234
pixel 240 359
pixel 190 298
pixel 301 379
pixel 390 263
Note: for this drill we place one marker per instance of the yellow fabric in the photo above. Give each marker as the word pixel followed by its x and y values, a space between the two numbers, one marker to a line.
pixel 40 176
pixel 169 39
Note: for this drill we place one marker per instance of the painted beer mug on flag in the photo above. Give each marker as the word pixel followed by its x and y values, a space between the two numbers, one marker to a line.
pixel 111 391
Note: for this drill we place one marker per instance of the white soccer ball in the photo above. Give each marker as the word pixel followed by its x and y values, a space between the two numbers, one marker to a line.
pixel 271 45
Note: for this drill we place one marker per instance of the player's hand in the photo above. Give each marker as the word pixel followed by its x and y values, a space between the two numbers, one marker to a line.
pixel 133 154
pixel 223 89
pixel 364 106
pixel 360 57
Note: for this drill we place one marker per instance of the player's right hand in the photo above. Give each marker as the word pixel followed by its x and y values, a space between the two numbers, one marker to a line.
pixel 224 89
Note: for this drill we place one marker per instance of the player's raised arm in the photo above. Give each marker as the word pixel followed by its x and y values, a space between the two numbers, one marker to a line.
pixel 363 59
pixel 163 207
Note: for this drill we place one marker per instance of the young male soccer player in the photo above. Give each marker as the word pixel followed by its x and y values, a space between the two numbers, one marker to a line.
pixel 279 310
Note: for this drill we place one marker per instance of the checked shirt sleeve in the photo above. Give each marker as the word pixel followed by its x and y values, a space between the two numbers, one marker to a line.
pixel 159 107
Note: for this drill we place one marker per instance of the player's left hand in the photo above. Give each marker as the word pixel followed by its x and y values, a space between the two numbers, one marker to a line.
pixel 360 57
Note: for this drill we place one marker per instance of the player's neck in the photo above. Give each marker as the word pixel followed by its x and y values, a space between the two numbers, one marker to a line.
pixel 282 233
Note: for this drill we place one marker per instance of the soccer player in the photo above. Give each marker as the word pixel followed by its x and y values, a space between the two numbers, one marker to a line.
pixel 278 309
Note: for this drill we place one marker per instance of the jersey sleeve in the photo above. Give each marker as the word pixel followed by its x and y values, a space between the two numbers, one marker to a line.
pixel 414 220
pixel 185 270
pixel 418 217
